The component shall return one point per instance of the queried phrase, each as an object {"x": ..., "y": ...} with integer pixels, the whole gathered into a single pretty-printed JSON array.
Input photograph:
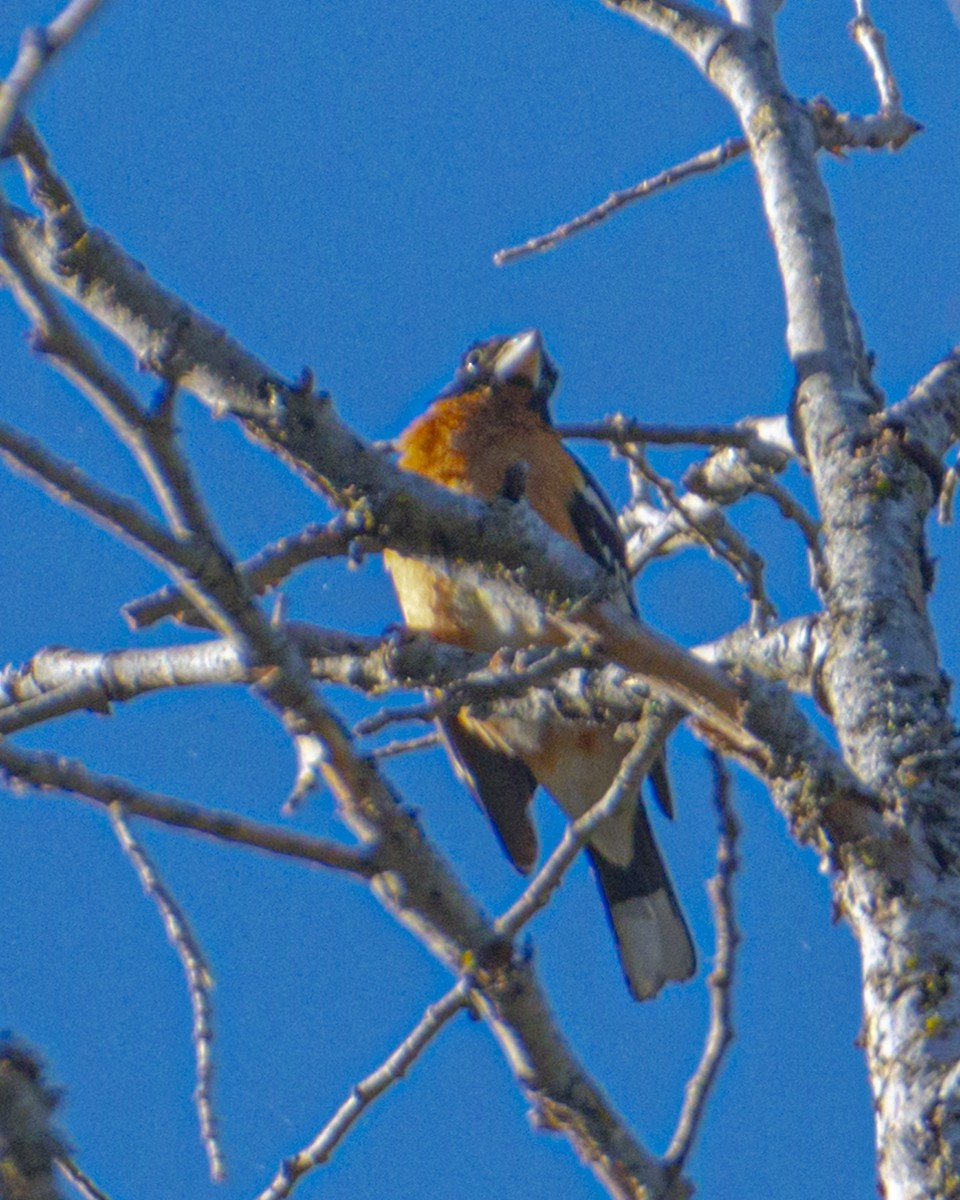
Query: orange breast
[{"x": 468, "y": 443}]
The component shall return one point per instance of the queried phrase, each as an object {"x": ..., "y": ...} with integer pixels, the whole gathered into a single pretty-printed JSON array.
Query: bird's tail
[{"x": 652, "y": 936}]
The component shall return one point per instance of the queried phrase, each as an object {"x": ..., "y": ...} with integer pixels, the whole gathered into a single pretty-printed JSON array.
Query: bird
[{"x": 488, "y": 434}]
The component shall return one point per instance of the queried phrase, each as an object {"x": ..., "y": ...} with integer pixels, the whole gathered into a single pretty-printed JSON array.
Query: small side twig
[
  {"x": 720, "y": 981},
  {"x": 725, "y": 542},
  {"x": 362, "y": 1095},
  {"x": 199, "y": 983},
  {"x": 264, "y": 570},
  {"x": 707, "y": 160},
  {"x": 406, "y": 745},
  {"x": 80, "y": 1180}
]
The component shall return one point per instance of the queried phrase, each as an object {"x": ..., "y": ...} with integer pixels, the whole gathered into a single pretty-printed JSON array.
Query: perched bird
[{"x": 486, "y": 429}]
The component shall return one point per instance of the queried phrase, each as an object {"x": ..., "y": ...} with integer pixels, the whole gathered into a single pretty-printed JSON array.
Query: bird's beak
[{"x": 521, "y": 359}]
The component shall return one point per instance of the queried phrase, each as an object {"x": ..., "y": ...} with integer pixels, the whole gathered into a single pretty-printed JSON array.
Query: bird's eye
[{"x": 471, "y": 362}]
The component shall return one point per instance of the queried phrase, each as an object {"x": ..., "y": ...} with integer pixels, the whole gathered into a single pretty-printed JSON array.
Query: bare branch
[
  {"x": 265, "y": 570},
  {"x": 79, "y": 1180},
  {"x": 707, "y": 160},
  {"x": 37, "y": 46},
  {"x": 59, "y": 680},
  {"x": 636, "y": 764},
  {"x": 763, "y": 437},
  {"x": 872, "y": 42},
  {"x": 426, "y": 741},
  {"x": 721, "y": 978},
  {"x": 718, "y": 535},
  {"x": 199, "y": 983},
  {"x": 48, "y": 772},
  {"x": 363, "y": 1094}
]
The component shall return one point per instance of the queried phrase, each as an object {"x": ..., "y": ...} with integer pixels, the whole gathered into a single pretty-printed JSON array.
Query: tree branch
[
  {"x": 363, "y": 1094},
  {"x": 48, "y": 772},
  {"x": 37, "y": 46},
  {"x": 199, "y": 983},
  {"x": 706, "y": 160},
  {"x": 269, "y": 567},
  {"x": 720, "y": 1034}
]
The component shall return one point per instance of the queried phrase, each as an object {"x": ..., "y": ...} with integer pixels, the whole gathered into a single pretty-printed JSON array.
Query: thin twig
[
  {"x": 626, "y": 782},
  {"x": 406, "y": 745},
  {"x": 620, "y": 429},
  {"x": 199, "y": 983},
  {"x": 362, "y": 1095},
  {"x": 720, "y": 981},
  {"x": 479, "y": 686},
  {"x": 49, "y": 771},
  {"x": 707, "y": 160},
  {"x": 728, "y": 545},
  {"x": 872, "y": 42},
  {"x": 38, "y": 45},
  {"x": 80, "y": 1180},
  {"x": 264, "y": 570}
]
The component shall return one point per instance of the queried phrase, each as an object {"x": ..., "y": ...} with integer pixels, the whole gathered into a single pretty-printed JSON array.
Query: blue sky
[{"x": 329, "y": 182}]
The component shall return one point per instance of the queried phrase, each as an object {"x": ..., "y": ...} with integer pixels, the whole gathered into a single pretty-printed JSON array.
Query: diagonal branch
[
  {"x": 269, "y": 567},
  {"x": 79, "y": 1180},
  {"x": 38, "y": 45},
  {"x": 49, "y": 772},
  {"x": 635, "y": 766},
  {"x": 720, "y": 981},
  {"x": 363, "y": 1094},
  {"x": 706, "y": 160},
  {"x": 199, "y": 982}
]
